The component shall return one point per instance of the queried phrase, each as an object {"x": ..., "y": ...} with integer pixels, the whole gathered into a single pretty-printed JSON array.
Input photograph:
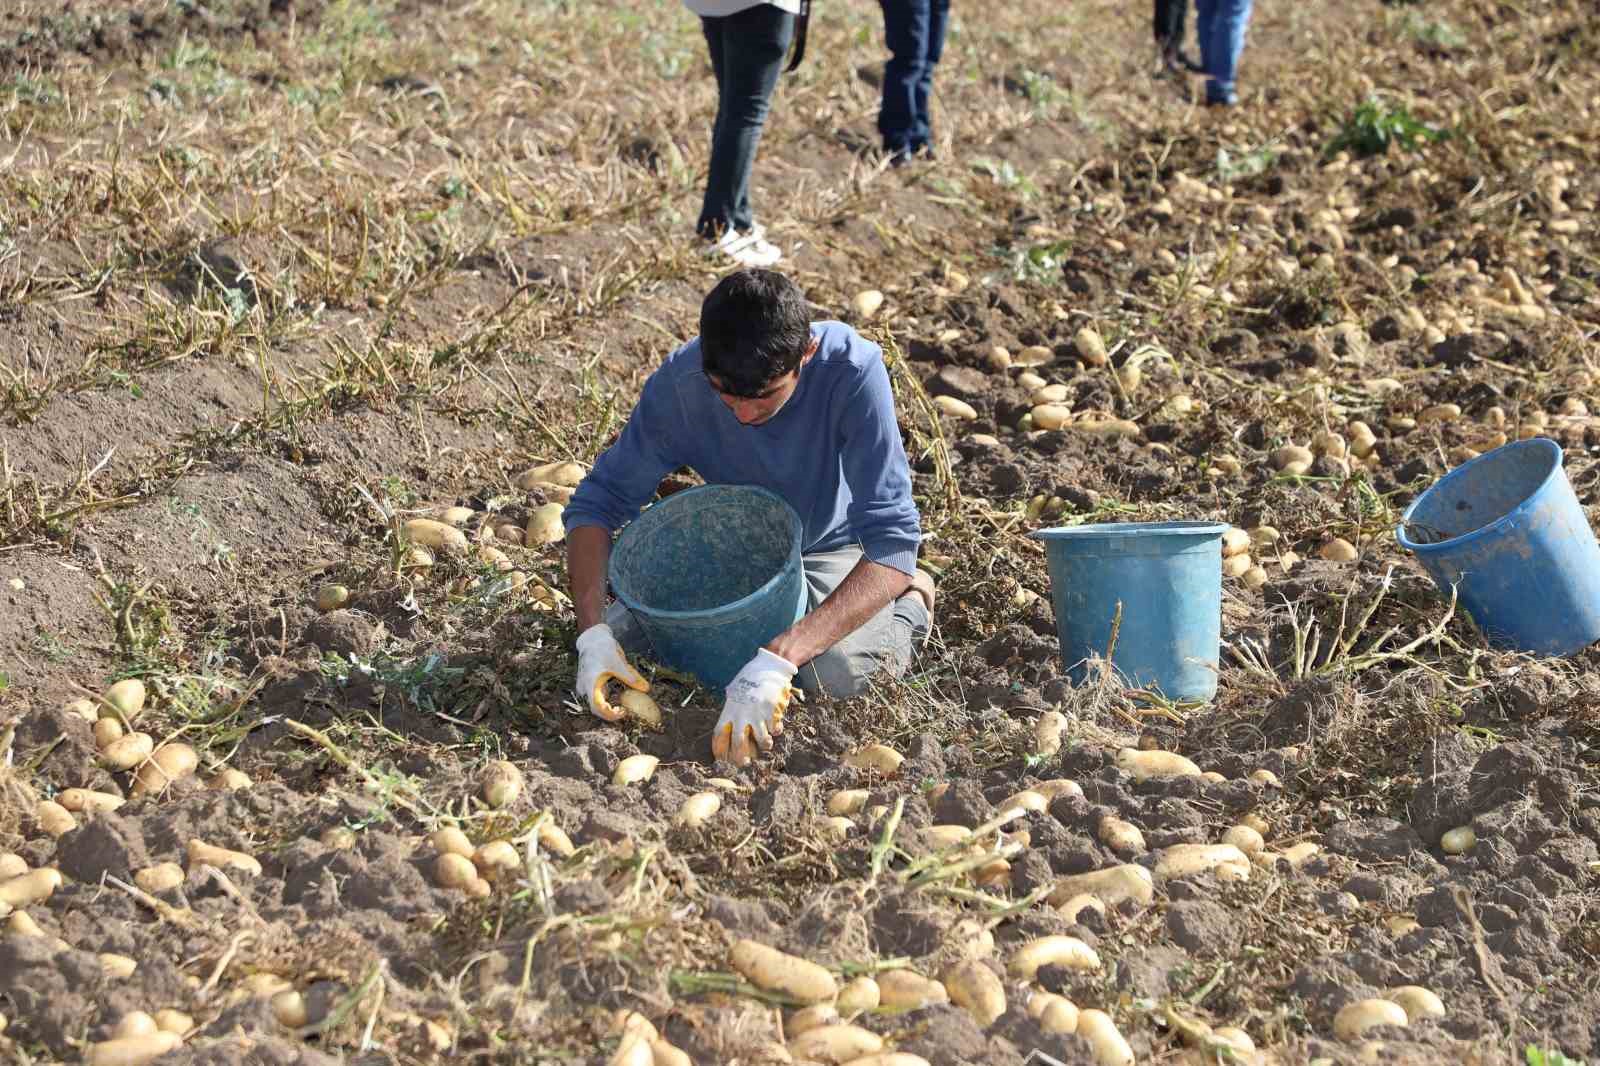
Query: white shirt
[{"x": 722, "y": 8}]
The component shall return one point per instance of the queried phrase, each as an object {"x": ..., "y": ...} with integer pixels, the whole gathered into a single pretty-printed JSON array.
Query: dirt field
[{"x": 277, "y": 275}]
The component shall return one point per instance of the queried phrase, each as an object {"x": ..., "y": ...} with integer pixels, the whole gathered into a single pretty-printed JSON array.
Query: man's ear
[{"x": 811, "y": 349}]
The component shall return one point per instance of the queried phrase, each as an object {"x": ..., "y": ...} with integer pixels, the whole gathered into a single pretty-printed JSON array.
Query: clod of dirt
[
  {"x": 781, "y": 803},
  {"x": 1201, "y": 926},
  {"x": 1503, "y": 775},
  {"x": 963, "y": 803},
  {"x": 961, "y": 382},
  {"x": 53, "y": 989},
  {"x": 1373, "y": 840},
  {"x": 345, "y": 632},
  {"x": 947, "y": 1033},
  {"x": 109, "y": 843}
]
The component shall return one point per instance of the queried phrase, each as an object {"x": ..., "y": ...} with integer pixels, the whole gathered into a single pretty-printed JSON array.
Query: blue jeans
[
  {"x": 914, "y": 32},
  {"x": 1221, "y": 27},
  {"x": 747, "y": 52}
]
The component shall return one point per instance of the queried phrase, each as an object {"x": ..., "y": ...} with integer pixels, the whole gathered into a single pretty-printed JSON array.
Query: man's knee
[{"x": 836, "y": 673}]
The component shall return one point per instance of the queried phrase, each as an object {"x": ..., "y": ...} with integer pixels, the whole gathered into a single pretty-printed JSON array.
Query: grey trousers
[{"x": 885, "y": 642}]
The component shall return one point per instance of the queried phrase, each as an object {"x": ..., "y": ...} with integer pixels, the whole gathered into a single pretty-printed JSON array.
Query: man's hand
[
  {"x": 600, "y": 660},
  {"x": 753, "y": 711}
]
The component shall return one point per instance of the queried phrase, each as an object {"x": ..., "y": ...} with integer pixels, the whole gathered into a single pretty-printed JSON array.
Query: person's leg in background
[
  {"x": 1224, "y": 43},
  {"x": 751, "y": 45},
  {"x": 1170, "y": 23},
  {"x": 883, "y": 646},
  {"x": 1205, "y": 21},
  {"x": 905, "y": 32},
  {"x": 921, "y": 139}
]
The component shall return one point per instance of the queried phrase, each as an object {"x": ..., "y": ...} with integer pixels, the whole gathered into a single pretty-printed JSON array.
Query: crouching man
[{"x": 766, "y": 397}]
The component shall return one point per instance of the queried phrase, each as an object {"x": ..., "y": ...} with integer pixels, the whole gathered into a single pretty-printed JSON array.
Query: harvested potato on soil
[
  {"x": 1356, "y": 1018},
  {"x": 771, "y": 969},
  {"x": 906, "y": 990},
  {"x": 167, "y": 764},
  {"x": 878, "y": 757},
  {"x": 976, "y": 989},
  {"x": 1067, "y": 952},
  {"x": 1144, "y": 765},
  {"x": 838, "y": 1043},
  {"x": 434, "y": 535},
  {"x": 222, "y": 858},
  {"x": 500, "y": 784},
  {"x": 1110, "y": 1047},
  {"x": 635, "y": 770}
]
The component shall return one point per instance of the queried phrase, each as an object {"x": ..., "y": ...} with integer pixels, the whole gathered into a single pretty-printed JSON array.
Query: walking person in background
[
  {"x": 748, "y": 40},
  {"x": 1221, "y": 25},
  {"x": 1169, "y": 26},
  {"x": 914, "y": 32}
]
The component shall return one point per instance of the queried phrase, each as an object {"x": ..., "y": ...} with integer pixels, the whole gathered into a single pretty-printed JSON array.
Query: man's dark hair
[{"x": 753, "y": 330}]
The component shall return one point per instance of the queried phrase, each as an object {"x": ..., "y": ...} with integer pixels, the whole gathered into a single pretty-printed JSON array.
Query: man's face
[{"x": 754, "y": 410}]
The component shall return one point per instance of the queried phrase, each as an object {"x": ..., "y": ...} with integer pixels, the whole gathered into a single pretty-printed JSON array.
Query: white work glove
[
  {"x": 756, "y": 699},
  {"x": 600, "y": 660}
]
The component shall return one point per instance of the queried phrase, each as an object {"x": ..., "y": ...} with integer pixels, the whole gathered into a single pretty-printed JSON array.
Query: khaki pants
[{"x": 885, "y": 642}]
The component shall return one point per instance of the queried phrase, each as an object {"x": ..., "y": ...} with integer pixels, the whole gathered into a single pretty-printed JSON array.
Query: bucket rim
[
  {"x": 1543, "y": 444},
  {"x": 796, "y": 528},
  {"x": 1116, "y": 530}
]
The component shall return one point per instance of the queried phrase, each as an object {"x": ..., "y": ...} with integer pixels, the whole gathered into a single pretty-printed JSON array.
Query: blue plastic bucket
[
  {"x": 1166, "y": 580},
  {"x": 711, "y": 574},
  {"x": 1508, "y": 532}
]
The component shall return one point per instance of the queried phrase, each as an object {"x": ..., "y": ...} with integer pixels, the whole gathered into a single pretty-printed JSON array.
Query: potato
[
  {"x": 86, "y": 709},
  {"x": 773, "y": 970},
  {"x": 1297, "y": 854},
  {"x": 12, "y": 865},
  {"x": 1090, "y": 346},
  {"x": 174, "y": 1021},
  {"x": 1067, "y": 952},
  {"x": 117, "y": 967},
  {"x": 222, "y": 858},
  {"x": 83, "y": 800},
  {"x": 106, "y": 732},
  {"x": 665, "y": 1054},
  {"x": 1122, "y": 837},
  {"x": 1111, "y": 886},
  {"x": 132, "y": 1050},
  {"x": 555, "y": 840},
  {"x": 1057, "y": 787},
  {"x": 332, "y": 597},
  {"x": 1244, "y": 838},
  {"x": 451, "y": 870},
  {"x": 955, "y": 408},
  {"x": 1235, "y": 541},
  {"x": 1265, "y": 778},
  {"x": 496, "y": 859},
  {"x": 35, "y": 886},
  {"x": 998, "y": 358},
  {"x": 1339, "y": 550},
  {"x": 500, "y": 783},
  {"x": 807, "y": 1018},
  {"x": 289, "y": 1008},
  {"x": 994, "y": 874},
  {"x": 449, "y": 840},
  {"x": 1356, "y": 1018},
  {"x": 635, "y": 1050},
  {"x": 1256, "y": 822},
  {"x": 879, "y": 757},
  {"x": 836, "y": 828},
  {"x": 162, "y": 877},
  {"x": 1050, "y": 416},
  {"x": 1105, "y": 428},
  {"x": 1034, "y": 355},
  {"x": 545, "y": 526},
  {"x": 135, "y": 1023},
  {"x": 1237, "y": 565},
  {"x": 975, "y": 988},
  {"x": 972, "y": 939},
  {"x": 1458, "y": 841},
  {"x": 848, "y": 801},
  {"x": 338, "y": 837},
  {"x": 698, "y": 809},
  {"x": 1290, "y": 455},
  {"x": 21, "y": 923},
  {"x": 635, "y": 770},
  {"x": 1439, "y": 413},
  {"x": 640, "y": 707},
  {"x": 1110, "y": 1049},
  {"x": 1329, "y": 443},
  {"x": 1254, "y": 578},
  {"x": 229, "y": 780},
  {"x": 565, "y": 473},
  {"x": 1049, "y": 394},
  {"x": 835, "y": 1043},
  {"x": 1070, "y": 909},
  {"x": 1416, "y": 1001},
  {"x": 1056, "y": 1014},
  {"x": 1186, "y": 860},
  {"x": 889, "y": 1058},
  {"x": 169, "y": 763},
  {"x": 906, "y": 990},
  {"x": 427, "y": 533},
  {"x": 866, "y": 303},
  {"x": 456, "y": 516},
  {"x": 1047, "y": 733},
  {"x": 1144, "y": 765},
  {"x": 859, "y": 995},
  {"x": 54, "y": 820},
  {"x": 125, "y": 699},
  {"x": 1027, "y": 800}
]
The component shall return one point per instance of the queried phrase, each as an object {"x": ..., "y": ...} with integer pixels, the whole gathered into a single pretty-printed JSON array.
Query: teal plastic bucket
[
  {"x": 1164, "y": 579},
  {"x": 1507, "y": 531},
  {"x": 711, "y": 574}
]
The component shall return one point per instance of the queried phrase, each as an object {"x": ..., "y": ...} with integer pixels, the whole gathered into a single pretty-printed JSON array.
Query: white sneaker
[{"x": 748, "y": 248}]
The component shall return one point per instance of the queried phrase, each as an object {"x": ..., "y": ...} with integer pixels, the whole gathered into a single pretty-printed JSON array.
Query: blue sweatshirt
[{"x": 832, "y": 451}]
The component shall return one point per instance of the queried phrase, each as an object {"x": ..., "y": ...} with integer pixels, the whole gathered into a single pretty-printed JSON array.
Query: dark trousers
[
  {"x": 1169, "y": 21},
  {"x": 914, "y": 32},
  {"x": 747, "y": 52}
]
